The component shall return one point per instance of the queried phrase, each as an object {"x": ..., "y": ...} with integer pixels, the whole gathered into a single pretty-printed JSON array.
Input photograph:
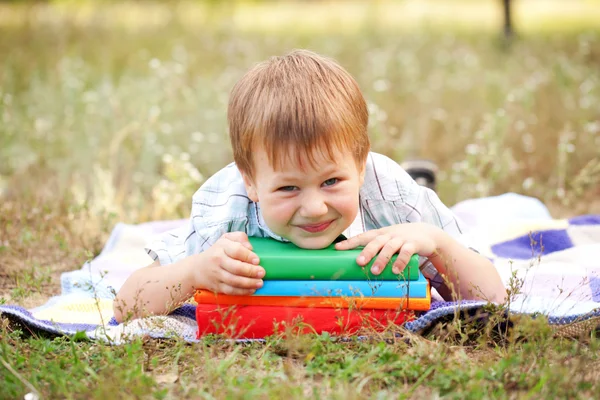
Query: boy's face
[{"x": 309, "y": 206}]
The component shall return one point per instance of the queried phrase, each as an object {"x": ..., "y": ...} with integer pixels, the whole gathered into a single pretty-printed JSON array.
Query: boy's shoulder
[
  {"x": 222, "y": 196},
  {"x": 222, "y": 205},
  {"x": 386, "y": 180},
  {"x": 389, "y": 195},
  {"x": 227, "y": 179}
]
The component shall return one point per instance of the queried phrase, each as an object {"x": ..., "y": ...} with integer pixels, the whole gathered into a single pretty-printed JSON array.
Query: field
[{"x": 116, "y": 112}]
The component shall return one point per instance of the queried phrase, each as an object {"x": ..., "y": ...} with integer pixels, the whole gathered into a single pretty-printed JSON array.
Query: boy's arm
[
  {"x": 229, "y": 266},
  {"x": 468, "y": 275},
  {"x": 155, "y": 289}
]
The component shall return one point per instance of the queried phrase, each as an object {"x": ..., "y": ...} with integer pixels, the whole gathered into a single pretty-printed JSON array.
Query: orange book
[{"x": 376, "y": 303}]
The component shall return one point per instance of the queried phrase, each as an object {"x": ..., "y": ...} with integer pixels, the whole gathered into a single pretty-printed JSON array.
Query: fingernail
[
  {"x": 360, "y": 260},
  {"x": 260, "y": 273},
  {"x": 395, "y": 270},
  {"x": 259, "y": 284},
  {"x": 255, "y": 261},
  {"x": 375, "y": 269}
]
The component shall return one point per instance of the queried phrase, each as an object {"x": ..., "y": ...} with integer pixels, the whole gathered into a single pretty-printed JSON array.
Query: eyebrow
[{"x": 298, "y": 175}]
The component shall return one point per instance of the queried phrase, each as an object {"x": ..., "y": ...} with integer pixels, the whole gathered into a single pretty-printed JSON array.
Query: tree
[{"x": 508, "y": 26}]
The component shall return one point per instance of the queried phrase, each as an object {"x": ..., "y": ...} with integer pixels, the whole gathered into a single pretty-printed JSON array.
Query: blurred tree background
[{"x": 120, "y": 107}]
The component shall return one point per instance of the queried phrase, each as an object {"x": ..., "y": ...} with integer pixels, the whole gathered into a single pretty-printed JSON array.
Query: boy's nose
[{"x": 313, "y": 206}]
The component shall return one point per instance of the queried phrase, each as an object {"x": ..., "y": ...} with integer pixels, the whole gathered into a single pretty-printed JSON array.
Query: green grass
[
  {"x": 529, "y": 362},
  {"x": 116, "y": 112}
]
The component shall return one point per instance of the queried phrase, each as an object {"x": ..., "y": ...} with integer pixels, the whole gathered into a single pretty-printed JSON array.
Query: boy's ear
[
  {"x": 362, "y": 173},
  {"x": 250, "y": 187}
]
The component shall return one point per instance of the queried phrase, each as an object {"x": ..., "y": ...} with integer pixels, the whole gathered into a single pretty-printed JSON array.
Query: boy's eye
[
  {"x": 331, "y": 182},
  {"x": 287, "y": 188}
]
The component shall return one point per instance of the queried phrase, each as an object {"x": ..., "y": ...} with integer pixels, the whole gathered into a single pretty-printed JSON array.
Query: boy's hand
[
  {"x": 229, "y": 266},
  {"x": 402, "y": 239}
]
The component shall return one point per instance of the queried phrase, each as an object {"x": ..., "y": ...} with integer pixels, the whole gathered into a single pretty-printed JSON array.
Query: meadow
[{"x": 117, "y": 112}]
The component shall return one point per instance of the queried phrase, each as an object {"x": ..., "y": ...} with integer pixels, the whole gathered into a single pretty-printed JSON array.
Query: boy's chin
[{"x": 313, "y": 243}]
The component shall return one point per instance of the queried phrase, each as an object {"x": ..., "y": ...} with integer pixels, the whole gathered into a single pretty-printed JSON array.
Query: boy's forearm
[
  {"x": 156, "y": 290},
  {"x": 468, "y": 274}
]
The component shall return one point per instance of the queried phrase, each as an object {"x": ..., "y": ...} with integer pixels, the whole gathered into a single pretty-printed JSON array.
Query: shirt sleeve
[
  {"x": 220, "y": 205},
  {"x": 168, "y": 246},
  {"x": 393, "y": 197},
  {"x": 179, "y": 243}
]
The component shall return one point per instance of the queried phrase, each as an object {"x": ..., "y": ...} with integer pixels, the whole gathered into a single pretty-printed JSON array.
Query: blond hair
[{"x": 294, "y": 104}]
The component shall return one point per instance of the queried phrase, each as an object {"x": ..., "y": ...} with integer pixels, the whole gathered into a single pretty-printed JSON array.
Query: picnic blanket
[{"x": 554, "y": 262}]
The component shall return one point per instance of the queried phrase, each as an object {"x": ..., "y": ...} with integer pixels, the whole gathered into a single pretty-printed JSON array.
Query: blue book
[{"x": 310, "y": 288}]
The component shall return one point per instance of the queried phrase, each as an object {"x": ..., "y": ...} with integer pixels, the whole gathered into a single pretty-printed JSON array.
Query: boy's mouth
[{"x": 314, "y": 228}]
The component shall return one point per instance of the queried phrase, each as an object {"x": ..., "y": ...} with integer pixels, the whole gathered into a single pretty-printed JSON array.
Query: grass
[
  {"x": 116, "y": 112},
  {"x": 530, "y": 362}
]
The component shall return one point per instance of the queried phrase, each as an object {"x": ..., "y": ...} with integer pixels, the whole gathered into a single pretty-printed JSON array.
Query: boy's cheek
[{"x": 277, "y": 210}]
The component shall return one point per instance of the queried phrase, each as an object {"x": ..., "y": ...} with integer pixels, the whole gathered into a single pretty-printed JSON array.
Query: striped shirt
[{"x": 387, "y": 197}]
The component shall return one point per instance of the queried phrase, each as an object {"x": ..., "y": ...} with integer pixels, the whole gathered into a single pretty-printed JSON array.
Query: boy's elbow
[
  {"x": 499, "y": 296},
  {"x": 118, "y": 308},
  {"x": 124, "y": 304},
  {"x": 117, "y": 315}
]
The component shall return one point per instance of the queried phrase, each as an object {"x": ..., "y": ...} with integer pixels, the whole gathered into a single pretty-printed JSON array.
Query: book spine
[
  {"x": 385, "y": 303},
  {"x": 415, "y": 289},
  {"x": 290, "y": 268}
]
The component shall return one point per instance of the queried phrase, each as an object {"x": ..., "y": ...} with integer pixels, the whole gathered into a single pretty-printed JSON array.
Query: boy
[{"x": 303, "y": 173}]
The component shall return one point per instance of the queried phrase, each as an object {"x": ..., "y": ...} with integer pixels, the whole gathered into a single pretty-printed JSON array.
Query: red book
[{"x": 255, "y": 322}]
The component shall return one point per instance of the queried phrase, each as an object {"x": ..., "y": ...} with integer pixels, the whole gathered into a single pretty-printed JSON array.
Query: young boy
[{"x": 303, "y": 173}]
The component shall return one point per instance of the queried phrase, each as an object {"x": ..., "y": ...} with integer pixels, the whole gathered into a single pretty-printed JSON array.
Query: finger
[
  {"x": 239, "y": 282},
  {"x": 234, "y": 291},
  {"x": 240, "y": 237},
  {"x": 237, "y": 251},
  {"x": 240, "y": 268},
  {"x": 355, "y": 241},
  {"x": 371, "y": 250},
  {"x": 390, "y": 248},
  {"x": 406, "y": 252}
]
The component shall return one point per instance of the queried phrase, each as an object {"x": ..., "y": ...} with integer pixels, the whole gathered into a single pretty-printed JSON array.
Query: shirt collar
[{"x": 357, "y": 226}]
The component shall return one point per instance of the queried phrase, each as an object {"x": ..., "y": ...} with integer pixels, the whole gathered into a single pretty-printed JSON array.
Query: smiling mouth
[{"x": 315, "y": 228}]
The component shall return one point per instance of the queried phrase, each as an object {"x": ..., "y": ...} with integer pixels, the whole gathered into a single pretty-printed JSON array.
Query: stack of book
[{"x": 306, "y": 282}]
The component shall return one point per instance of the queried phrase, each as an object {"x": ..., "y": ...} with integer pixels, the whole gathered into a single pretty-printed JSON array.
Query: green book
[{"x": 286, "y": 261}]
